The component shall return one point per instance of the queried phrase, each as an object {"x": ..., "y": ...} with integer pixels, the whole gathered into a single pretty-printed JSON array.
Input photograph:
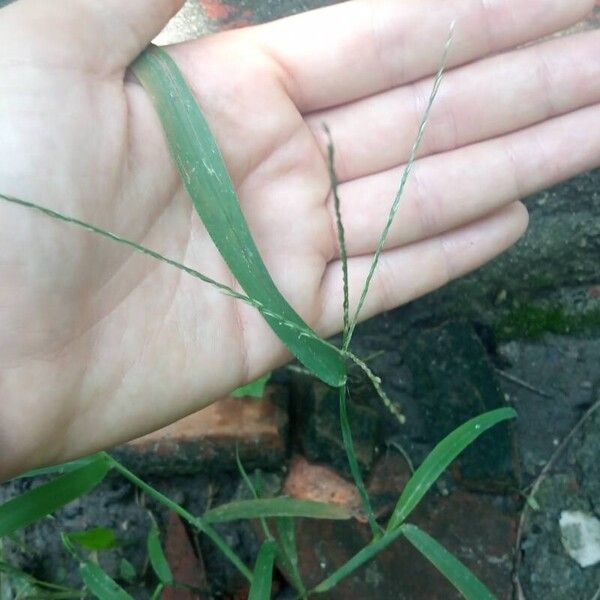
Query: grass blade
[
  {"x": 252, "y": 489},
  {"x": 100, "y": 584},
  {"x": 450, "y": 567},
  {"x": 97, "y": 538},
  {"x": 196, "y": 522},
  {"x": 157, "y": 557},
  {"x": 207, "y": 181},
  {"x": 275, "y": 507},
  {"x": 60, "y": 469},
  {"x": 289, "y": 553},
  {"x": 45, "y": 499},
  {"x": 439, "y": 459},
  {"x": 263, "y": 572},
  {"x": 359, "y": 559}
]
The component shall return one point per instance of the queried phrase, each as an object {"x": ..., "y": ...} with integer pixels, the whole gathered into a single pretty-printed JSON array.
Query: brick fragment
[
  {"x": 186, "y": 567},
  {"x": 206, "y": 441}
]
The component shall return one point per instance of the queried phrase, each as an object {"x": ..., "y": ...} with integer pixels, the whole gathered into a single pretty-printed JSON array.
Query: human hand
[{"x": 99, "y": 344}]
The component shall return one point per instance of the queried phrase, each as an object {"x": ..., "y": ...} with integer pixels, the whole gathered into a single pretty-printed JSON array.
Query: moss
[{"x": 531, "y": 321}]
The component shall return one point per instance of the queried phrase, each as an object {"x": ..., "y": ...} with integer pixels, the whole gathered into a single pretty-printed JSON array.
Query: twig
[{"x": 523, "y": 384}]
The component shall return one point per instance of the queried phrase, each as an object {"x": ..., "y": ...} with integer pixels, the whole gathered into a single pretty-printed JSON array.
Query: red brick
[
  {"x": 186, "y": 567},
  {"x": 206, "y": 440}
]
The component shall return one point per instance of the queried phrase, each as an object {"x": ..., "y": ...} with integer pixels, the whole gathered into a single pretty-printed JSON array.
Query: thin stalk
[
  {"x": 223, "y": 288},
  {"x": 354, "y": 468},
  {"x": 340, "y": 227},
  {"x": 124, "y": 241},
  {"x": 196, "y": 522},
  {"x": 404, "y": 179},
  {"x": 252, "y": 489},
  {"x": 344, "y": 421}
]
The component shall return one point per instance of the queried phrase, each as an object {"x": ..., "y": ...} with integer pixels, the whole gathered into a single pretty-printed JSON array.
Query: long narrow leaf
[
  {"x": 158, "y": 560},
  {"x": 449, "y": 566},
  {"x": 45, "y": 499},
  {"x": 263, "y": 572},
  {"x": 275, "y": 507},
  {"x": 353, "y": 463},
  {"x": 197, "y": 522},
  {"x": 207, "y": 181},
  {"x": 100, "y": 584},
  {"x": 439, "y": 459},
  {"x": 60, "y": 469},
  {"x": 289, "y": 552},
  {"x": 359, "y": 559}
]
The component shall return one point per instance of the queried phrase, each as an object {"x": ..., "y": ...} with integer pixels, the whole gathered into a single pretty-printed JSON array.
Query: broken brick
[
  {"x": 186, "y": 567},
  {"x": 207, "y": 440}
]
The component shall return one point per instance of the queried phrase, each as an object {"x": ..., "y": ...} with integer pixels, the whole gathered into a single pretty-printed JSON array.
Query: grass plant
[{"x": 204, "y": 174}]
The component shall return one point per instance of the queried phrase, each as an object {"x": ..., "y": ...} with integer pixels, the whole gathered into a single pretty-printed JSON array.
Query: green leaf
[
  {"x": 448, "y": 565},
  {"x": 127, "y": 571},
  {"x": 289, "y": 553},
  {"x": 62, "y": 468},
  {"x": 275, "y": 507},
  {"x": 98, "y": 538},
  {"x": 158, "y": 559},
  {"x": 254, "y": 389},
  {"x": 263, "y": 572},
  {"x": 100, "y": 584},
  {"x": 359, "y": 559},
  {"x": 439, "y": 459},
  {"x": 45, "y": 499},
  {"x": 207, "y": 181}
]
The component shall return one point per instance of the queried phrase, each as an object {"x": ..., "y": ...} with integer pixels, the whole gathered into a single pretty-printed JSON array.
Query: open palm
[{"x": 100, "y": 344}]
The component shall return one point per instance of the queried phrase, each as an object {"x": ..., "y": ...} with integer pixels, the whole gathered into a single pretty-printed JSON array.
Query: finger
[
  {"x": 409, "y": 272},
  {"x": 450, "y": 189},
  {"x": 103, "y": 36},
  {"x": 356, "y": 49},
  {"x": 476, "y": 102}
]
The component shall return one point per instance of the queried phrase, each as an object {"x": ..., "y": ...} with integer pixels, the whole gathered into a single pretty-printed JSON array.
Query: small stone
[{"x": 580, "y": 536}]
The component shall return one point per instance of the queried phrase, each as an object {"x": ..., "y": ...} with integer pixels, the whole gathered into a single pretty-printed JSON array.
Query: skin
[{"x": 98, "y": 344}]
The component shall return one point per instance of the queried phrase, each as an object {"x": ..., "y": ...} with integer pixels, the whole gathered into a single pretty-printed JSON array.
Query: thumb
[{"x": 103, "y": 35}]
